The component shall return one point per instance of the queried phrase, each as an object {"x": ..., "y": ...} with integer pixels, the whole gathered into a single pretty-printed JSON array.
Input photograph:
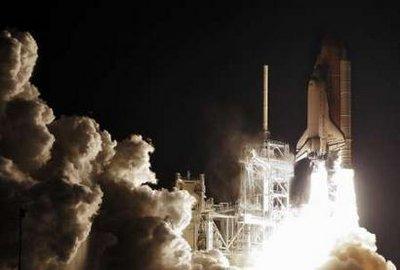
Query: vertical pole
[
  {"x": 21, "y": 215},
  {"x": 227, "y": 234},
  {"x": 209, "y": 233},
  {"x": 265, "y": 103}
]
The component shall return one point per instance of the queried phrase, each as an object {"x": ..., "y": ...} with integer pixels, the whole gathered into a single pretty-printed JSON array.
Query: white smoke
[
  {"x": 356, "y": 251},
  {"x": 213, "y": 260},
  {"x": 59, "y": 205},
  {"x": 80, "y": 187},
  {"x": 74, "y": 181}
]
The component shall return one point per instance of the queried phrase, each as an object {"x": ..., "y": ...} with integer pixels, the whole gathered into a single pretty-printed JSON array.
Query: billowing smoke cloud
[
  {"x": 213, "y": 260},
  {"x": 78, "y": 192},
  {"x": 145, "y": 227},
  {"x": 357, "y": 251},
  {"x": 25, "y": 137},
  {"x": 75, "y": 188},
  {"x": 43, "y": 173}
]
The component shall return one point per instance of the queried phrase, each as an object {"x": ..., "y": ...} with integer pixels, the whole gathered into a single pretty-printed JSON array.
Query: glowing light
[
  {"x": 345, "y": 214},
  {"x": 306, "y": 238}
]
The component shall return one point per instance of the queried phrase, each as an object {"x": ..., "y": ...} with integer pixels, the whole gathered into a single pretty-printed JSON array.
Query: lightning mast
[
  {"x": 265, "y": 185},
  {"x": 265, "y": 103},
  {"x": 241, "y": 229}
]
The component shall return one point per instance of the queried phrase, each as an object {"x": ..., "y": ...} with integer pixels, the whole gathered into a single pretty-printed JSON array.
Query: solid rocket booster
[
  {"x": 345, "y": 112},
  {"x": 328, "y": 107}
]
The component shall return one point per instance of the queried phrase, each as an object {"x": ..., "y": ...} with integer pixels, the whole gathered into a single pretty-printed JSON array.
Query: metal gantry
[
  {"x": 265, "y": 192},
  {"x": 243, "y": 227}
]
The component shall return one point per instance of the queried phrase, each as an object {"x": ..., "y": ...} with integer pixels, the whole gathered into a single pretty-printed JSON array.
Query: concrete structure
[{"x": 197, "y": 189}]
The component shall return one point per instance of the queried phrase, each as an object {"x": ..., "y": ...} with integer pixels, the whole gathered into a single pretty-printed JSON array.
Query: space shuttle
[{"x": 328, "y": 130}]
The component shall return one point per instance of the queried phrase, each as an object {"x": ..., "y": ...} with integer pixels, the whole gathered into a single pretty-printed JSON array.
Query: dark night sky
[{"x": 188, "y": 75}]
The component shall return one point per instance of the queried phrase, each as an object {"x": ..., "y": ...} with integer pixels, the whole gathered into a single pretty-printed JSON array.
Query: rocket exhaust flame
[
  {"x": 78, "y": 182},
  {"x": 323, "y": 234},
  {"x": 319, "y": 201}
]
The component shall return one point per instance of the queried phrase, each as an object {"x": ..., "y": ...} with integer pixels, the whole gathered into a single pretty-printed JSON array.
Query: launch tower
[
  {"x": 240, "y": 229},
  {"x": 265, "y": 185}
]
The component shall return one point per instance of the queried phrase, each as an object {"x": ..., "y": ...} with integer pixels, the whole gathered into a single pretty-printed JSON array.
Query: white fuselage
[{"x": 321, "y": 135}]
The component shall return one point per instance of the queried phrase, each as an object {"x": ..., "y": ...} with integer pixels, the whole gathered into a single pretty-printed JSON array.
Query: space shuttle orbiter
[{"x": 328, "y": 107}]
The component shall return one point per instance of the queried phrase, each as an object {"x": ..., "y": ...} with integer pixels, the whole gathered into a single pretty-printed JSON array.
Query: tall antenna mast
[{"x": 265, "y": 104}]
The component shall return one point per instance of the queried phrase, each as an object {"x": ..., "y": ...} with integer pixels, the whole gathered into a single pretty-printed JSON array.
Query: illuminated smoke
[
  {"x": 74, "y": 181},
  {"x": 324, "y": 235},
  {"x": 83, "y": 191},
  {"x": 36, "y": 173},
  {"x": 213, "y": 259}
]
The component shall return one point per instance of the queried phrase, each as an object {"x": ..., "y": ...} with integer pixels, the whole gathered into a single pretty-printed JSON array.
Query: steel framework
[{"x": 242, "y": 228}]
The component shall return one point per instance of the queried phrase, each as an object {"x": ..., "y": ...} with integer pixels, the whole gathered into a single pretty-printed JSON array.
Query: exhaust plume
[
  {"x": 73, "y": 185},
  {"x": 76, "y": 190},
  {"x": 324, "y": 235}
]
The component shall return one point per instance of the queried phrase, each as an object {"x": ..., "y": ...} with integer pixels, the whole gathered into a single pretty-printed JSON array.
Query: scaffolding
[
  {"x": 265, "y": 191},
  {"x": 241, "y": 228}
]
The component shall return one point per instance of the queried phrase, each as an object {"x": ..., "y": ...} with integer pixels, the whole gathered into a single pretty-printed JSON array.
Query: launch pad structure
[{"x": 241, "y": 228}]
